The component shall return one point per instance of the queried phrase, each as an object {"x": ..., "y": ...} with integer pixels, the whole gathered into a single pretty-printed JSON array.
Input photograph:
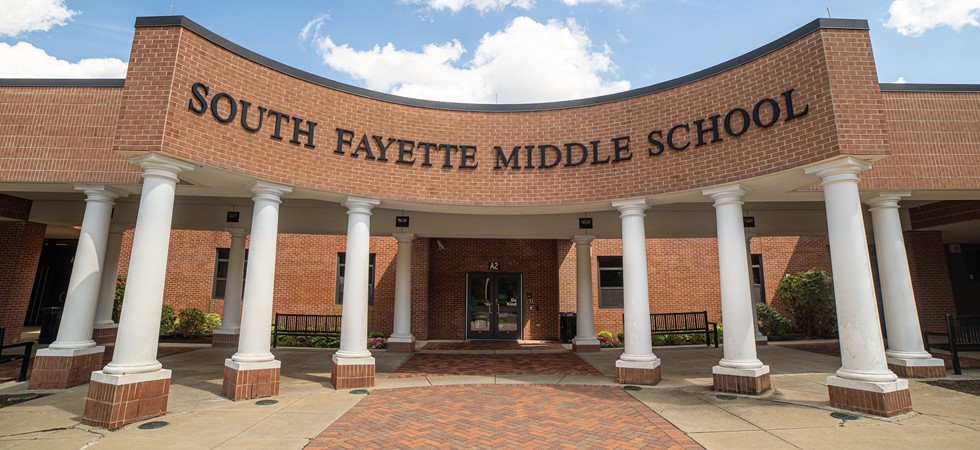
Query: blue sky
[{"x": 502, "y": 51}]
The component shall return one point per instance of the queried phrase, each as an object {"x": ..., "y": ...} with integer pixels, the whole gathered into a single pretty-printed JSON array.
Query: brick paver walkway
[
  {"x": 491, "y": 346},
  {"x": 502, "y": 416},
  {"x": 428, "y": 364}
]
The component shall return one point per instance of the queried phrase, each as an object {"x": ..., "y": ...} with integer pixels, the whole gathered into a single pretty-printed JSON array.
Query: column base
[
  {"x": 352, "y": 373},
  {"x": 644, "y": 373},
  {"x": 224, "y": 340},
  {"x": 585, "y": 345},
  {"x": 741, "y": 381},
  {"x": 885, "y": 399},
  {"x": 64, "y": 368},
  {"x": 761, "y": 341},
  {"x": 244, "y": 381},
  {"x": 117, "y": 400},
  {"x": 105, "y": 334},
  {"x": 917, "y": 367},
  {"x": 401, "y": 344}
]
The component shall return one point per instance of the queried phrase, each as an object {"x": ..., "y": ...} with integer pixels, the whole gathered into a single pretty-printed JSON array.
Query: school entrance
[{"x": 493, "y": 306}]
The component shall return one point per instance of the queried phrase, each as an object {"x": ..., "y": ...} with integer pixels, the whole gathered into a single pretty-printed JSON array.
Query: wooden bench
[
  {"x": 684, "y": 323},
  {"x": 305, "y": 325},
  {"x": 25, "y": 357},
  {"x": 962, "y": 333}
]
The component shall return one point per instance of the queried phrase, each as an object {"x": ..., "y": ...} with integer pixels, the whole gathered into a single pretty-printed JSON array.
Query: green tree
[{"x": 809, "y": 298}]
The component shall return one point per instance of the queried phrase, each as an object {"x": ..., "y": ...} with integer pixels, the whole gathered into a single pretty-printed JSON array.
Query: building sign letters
[{"x": 678, "y": 137}]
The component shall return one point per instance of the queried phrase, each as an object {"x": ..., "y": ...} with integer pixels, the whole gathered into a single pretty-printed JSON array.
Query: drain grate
[
  {"x": 844, "y": 416},
  {"x": 266, "y": 402},
  {"x": 360, "y": 391},
  {"x": 631, "y": 388},
  {"x": 726, "y": 397},
  {"x": 153, "y": 425}
]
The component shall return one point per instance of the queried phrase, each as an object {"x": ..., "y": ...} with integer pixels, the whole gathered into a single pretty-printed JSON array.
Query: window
[
  {"x": 610, "y": 282},
  {"x": 341, "y": 257},
  {"x": 221, "y": 272}
]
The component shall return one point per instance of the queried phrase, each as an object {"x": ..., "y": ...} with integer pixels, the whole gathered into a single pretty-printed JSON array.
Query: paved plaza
[{"x": 530, "y": 397}]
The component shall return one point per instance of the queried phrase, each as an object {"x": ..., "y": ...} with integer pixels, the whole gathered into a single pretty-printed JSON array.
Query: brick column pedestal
[
  {"x": 62, "y": 369},
  {"x": 224, "y": 340},
  {"x": 637, "y": 375},
  {"x": 105, "y": 335},
  {"x": 583, "y": 348},
  {"x": 394, "y": 346},
  {"x": 244, "y": 381},
  {"x": 742, "y": 381},
  {"x": 928, "y": 370},
  {"x": 352, "y": 376},
  {"x": 886, "y": 399},
  {"x": 117, "y": 400}
]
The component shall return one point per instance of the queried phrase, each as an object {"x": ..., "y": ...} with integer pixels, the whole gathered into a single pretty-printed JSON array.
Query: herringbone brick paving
[
  {"x": 502, "y": 416},
  {"x": 429, "y": 364}
]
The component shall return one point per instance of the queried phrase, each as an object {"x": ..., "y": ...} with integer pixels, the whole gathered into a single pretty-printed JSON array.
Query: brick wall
[
  {"x": 447, "y": 282},
  {"x": 14, "y": 207},
  {"x": 944, "y": 213},
  {"x": 20, "y": 248},
  {"x": 930, "y": 278}
]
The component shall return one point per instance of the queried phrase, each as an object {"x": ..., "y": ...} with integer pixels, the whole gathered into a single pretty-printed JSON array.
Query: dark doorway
[
  {"x": 493, "y": 307},
  {"x": 51, "y": 279}
]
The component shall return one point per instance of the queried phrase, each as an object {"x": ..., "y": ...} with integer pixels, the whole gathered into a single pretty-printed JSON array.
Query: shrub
[
  {"x": 194, "y": 322},
  {"x": 376, "y": 334},
  {"x": 168, "y": 321},
  {"x": 213, "y": 321},
  {"x": 621, "y": 337},
  {"x": 118, "y": 298},
  {"x": 604, "y": 334},
  {"x": 809, "y": 298},
  {"x": 771, "y": 322},
  {"x": 375, "y": 343}
]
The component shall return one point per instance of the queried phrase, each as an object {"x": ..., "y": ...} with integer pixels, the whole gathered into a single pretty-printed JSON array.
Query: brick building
[{"x": 431, "y": 220}]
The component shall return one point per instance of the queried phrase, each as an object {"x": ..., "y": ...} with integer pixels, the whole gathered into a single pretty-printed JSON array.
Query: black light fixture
[
  {"x": 748, "y": 222},
  {"x": 232, "y": 216},
  {"x": 401, "y": 221},
  {"x": 585, "y": 223}
]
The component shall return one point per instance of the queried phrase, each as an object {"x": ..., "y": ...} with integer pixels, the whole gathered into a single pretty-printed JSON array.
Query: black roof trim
[
  {"x": 922, "y": 87},
  {"x": 63, "y": 82},
  {"x": 162, "y": 21}
]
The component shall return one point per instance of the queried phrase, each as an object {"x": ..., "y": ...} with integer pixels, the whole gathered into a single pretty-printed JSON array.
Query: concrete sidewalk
[{"x": 795, "y": 415}]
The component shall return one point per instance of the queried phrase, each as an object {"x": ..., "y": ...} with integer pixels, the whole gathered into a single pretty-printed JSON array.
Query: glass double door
[{"x": 493, "y": 307}]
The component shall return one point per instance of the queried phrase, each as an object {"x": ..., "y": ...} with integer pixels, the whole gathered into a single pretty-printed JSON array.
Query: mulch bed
[
  {"x": 833, "y": 349},
  {"x": 965, "y": 386}
]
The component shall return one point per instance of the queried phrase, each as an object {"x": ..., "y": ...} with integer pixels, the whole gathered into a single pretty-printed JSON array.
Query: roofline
[
  {"x": 182, "y": 21},
  {"x": 62, "y": 82},
  {"x": 924, "y": 87}
]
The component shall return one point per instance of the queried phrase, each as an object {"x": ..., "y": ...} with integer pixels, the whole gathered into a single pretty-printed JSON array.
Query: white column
[
  {"x": 353, "y": 329},
  {"x": 862, "y": 348},
  {"x": 254, "y": 341},
  {"x": 110, "y": 272},
  {"x": 139, "y": 321},
  {"x": 760, "y": 339},
  {"x": 78, "y": 317},
  {"x": 402, "y": 330},
  {"x": 231, "y": 312},
  {"x": 905, "y": 347},
  {"x": 584, "y": 319},
  {"x": 736, "y": 287},
  {"x": 638, "y": 352}
]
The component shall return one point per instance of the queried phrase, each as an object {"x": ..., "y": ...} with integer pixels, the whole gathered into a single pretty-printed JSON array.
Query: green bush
[
  {"x": 168, "y": 321},
  {"x": 118, "y": 298},
  {"x": 604, "y": 334},
  {"x": 621, "y": 337},
  {"x": 771, "y": 322},
  {"x": 376, "y": 334},
  {"x": 194, "y": 322},
  {"x": 809, "y": 298}
]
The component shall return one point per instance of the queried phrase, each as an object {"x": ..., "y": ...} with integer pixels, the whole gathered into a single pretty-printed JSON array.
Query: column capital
[
  {"x": 845, "y": 169},
  {"x": 886, "y": 199},
  {"x": 237, "y": 232},
  {"x": 583, "y": 239},
  {"x": 404, "y": 238},
  {"x": 729, "y": 193},
  {"x": 631, "y": 207},
  {"x": 360, "y": 204},
  {"x": 100, "y": 192},
  {"x": 268, "y": 191},
  {"x": 154, "y": 164}
]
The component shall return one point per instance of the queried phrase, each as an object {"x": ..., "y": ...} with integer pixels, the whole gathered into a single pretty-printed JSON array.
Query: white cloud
[
  {"x": 312, "y": 28},
  {"x": 24, "y": 60},
  {"x": 22, "y": 16},
  {"x": 527, "y": 62},
  {"x": 900, "y": 80},
  {"x": 479, "y": 5},
  {"x": 583, "y": 2},
  {"x": 914, "y": 17}
]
